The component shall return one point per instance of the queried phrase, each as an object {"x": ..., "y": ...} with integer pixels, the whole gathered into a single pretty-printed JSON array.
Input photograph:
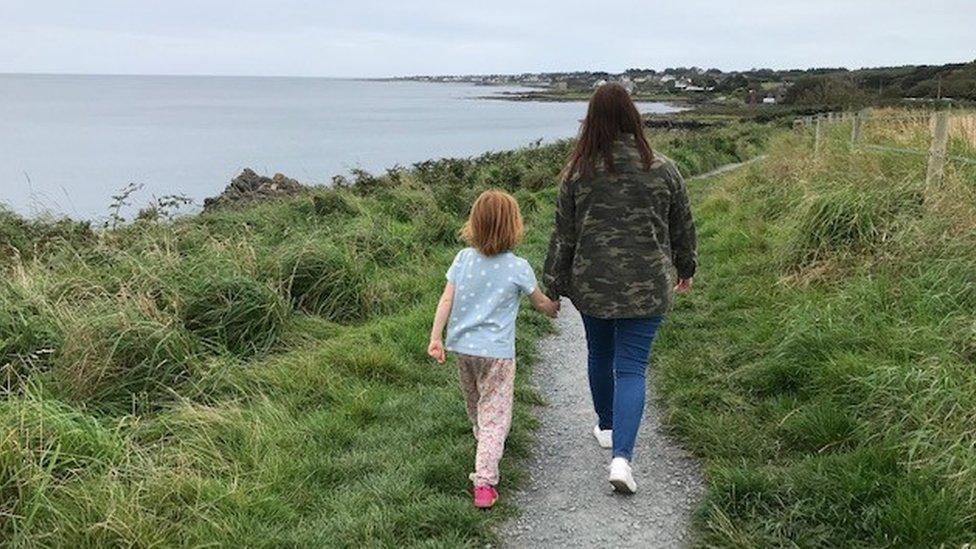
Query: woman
[{"x": 623, "y": 224}]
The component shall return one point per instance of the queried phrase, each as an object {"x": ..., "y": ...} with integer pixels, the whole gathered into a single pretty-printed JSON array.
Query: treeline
[
  {"x": 836, "y": 85},
  {"x": 841, "y": 86}
]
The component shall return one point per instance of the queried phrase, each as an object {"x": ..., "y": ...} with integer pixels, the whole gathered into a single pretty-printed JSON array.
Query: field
[
  {"x": 824, "y": 366},
  {"x": 258, "y": 377}
]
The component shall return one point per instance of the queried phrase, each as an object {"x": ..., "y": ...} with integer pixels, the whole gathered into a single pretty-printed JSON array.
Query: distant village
[{"x": 758, "y": 86}]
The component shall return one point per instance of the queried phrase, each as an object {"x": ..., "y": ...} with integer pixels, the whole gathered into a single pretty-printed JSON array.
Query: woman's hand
[
  {"x": 436, "y": 350},
  {"x": 683, "y": 286}
]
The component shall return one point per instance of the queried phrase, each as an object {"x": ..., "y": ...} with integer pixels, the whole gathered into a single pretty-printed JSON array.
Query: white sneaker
[
  {"x": 621, "y": 477},
  {"x": 603, "y": 436}
]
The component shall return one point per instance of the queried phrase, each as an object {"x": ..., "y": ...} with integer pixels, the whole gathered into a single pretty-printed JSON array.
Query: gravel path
[{"x": 567, "y": 501}]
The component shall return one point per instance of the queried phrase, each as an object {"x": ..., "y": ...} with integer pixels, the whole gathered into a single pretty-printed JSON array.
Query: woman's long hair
[{"x": 610, "y": 114}]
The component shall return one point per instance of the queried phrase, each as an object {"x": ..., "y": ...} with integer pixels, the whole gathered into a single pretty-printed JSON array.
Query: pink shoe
[{"x": 485, "y": 496}]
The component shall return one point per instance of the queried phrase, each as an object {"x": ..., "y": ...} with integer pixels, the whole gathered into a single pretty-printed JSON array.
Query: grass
[
  {"x": 258, "y": 377},
  {"x": 822, "y": 367}
]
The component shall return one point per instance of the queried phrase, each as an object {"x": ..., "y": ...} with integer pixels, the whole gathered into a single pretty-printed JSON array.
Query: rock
[{"x": 249, "y": 187}]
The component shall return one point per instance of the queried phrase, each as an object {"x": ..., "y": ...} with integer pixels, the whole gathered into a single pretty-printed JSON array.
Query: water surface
[{"x": 68, "y": 143}]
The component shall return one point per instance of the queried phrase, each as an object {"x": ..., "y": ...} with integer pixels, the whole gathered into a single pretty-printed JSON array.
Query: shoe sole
[{"x": 620, "y": 485}]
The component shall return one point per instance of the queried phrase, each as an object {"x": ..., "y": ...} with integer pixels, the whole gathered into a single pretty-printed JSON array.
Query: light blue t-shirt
[{"x": 486, "y": 300}]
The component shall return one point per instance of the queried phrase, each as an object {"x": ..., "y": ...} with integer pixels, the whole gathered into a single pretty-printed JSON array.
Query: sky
[{"x": 373, "y": 38}]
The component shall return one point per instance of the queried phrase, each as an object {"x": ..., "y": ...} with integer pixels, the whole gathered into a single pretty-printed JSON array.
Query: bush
[
  {"x": 325, "y": 280},
  {"x": 333, "y": 202},
  {"x": 405, "y": 204},
  {"x": 119, "y": 356},
  {"x": 528, "y": 201},
  {"x": 26, "y": 239},
  {"x": 538, "y": 179},
  {"x": 236, "y": 312}
]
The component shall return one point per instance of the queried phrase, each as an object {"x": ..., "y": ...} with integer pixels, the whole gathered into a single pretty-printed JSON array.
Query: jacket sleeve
[
  {"x": 681, "y": 226},
  {"x": 559, "y": 260}
]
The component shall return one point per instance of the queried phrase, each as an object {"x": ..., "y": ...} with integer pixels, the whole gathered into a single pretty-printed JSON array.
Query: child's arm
[
  {"x": 543, "y": 304},
  {"x": 436, "y": 346}
]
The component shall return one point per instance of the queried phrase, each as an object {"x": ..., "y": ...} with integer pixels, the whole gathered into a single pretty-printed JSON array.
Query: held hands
[
  {"x": 550, "y": 309},
  {"x": 436, "y": 350},
  {"x": 683, "y": 286}
]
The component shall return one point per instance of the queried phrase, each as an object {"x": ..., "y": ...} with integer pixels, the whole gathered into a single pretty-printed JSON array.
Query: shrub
[
  {"x": 237, "y": 312},
  {"x": 325, "y": 280},
  {"x": 24, "y": 238},
  {"x": 405, "y": 204},
  {"x": 333, "y": 202},
  {"x": 454, "y": 199},
  {"x": 528, "y": 201},
  {"x": 539, "y": 178}
]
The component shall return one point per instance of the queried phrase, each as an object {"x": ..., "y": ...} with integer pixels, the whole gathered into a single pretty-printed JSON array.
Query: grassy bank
[
  {"x": 823, "y": 367},
  {"x": 258, "y": 377}
]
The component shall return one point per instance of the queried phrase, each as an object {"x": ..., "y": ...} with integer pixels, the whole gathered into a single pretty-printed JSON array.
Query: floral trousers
[{"x": 488, "y": 385}]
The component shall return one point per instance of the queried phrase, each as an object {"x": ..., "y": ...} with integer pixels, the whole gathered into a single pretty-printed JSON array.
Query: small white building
[
  {"x": 628, "y": 84},
  {"x": 599, "y": 83},
  {"x": 769, "y": 100}
]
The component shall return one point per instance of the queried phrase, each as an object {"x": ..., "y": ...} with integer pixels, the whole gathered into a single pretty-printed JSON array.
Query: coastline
[{"x": 551, "y": 96}]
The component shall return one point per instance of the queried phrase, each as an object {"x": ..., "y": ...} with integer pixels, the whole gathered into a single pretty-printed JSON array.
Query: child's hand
[
  {"x": 436, "y": 350},
  {"x": 551, "y": 309}
]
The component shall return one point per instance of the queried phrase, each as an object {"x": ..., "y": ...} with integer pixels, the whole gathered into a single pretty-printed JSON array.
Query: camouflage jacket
[{"x": 619, "y": 236}]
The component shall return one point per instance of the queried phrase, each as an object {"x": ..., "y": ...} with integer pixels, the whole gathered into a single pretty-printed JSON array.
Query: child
[{"x": 481, "y": 298}]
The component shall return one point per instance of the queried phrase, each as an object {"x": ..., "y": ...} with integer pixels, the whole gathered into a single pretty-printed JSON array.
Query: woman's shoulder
[{"x": 662, "y": 162}]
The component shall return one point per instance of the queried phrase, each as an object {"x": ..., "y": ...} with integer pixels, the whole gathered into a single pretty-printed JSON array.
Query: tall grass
[
  {"x": 823, "y": 365},
  {"x": 256, "y": 376}
]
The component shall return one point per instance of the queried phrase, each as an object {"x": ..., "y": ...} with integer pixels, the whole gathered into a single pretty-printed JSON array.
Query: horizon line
[{"x": 469, "y": 74}]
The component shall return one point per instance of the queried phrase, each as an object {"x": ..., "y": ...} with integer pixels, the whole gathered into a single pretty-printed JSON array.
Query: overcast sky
[{"x": 400, "y": 37}]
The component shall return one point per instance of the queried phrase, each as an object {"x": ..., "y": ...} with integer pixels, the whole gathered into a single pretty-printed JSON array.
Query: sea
[{"x": 68, "y": 143}]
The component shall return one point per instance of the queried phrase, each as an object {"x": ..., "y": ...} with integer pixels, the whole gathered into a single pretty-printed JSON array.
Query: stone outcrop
[{"x": 249, "y": 187}]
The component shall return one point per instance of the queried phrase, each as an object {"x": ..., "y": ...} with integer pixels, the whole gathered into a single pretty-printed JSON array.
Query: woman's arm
[
  {"x": 436, "y": 346},
  {"x": 562, "y": 244},
  {"x": 681, "y": 225}
]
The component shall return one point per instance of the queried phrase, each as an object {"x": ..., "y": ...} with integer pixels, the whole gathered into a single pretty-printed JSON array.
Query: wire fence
[{"x": 940, "y": 136}]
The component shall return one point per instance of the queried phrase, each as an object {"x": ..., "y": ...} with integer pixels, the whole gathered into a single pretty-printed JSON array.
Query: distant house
[
  {"x": 599, "y": 83},
  {"x": 682, "y": 83},
  {"x": 666, "y": 78},
  {"x": 769, "y": 100},
  {"x": 627, "y": 83}
]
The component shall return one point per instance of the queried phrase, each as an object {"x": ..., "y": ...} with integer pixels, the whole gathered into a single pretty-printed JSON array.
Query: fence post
[
  {"x": 856, "y": 126},
  {"x": 937, "y": 152},
  {"x": 818, "y": 135}
]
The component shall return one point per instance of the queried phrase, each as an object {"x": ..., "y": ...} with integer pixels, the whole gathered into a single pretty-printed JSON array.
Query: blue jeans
[{"x": 619, "y": 350}]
